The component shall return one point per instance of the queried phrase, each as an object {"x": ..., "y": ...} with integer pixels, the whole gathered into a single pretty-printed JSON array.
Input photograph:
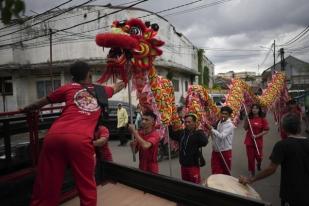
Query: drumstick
[
  {"x": 250, "y": 126},
  {"x": 228, "y": 169}
]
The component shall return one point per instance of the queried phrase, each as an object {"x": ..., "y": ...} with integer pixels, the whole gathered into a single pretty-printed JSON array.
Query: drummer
[{"x": 292, "y": 154}]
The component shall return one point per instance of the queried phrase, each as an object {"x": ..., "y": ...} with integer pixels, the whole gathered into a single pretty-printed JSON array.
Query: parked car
[{"x": 217, "y": 98}]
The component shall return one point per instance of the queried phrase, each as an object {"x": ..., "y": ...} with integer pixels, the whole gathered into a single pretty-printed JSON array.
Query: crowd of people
[{"x": 75, "y": 136}]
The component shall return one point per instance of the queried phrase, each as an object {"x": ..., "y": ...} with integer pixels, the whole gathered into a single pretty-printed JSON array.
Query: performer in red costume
[
  {"x": 291, "y": 107},
  {"x": 146, "y": 142},
  {"x": 69, "y": 140},
  {"x": 259, "y": 127},
  {"x": 101, "y": 137}
]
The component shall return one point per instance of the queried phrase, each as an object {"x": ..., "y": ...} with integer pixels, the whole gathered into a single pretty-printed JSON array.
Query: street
[{"x": 267, "y": 188}]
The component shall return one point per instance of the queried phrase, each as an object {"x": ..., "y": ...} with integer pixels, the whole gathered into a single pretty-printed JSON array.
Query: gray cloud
[{"x": 240, "y": 24}]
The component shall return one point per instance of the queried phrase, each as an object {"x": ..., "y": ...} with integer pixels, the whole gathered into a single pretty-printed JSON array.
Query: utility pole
[
  {"x": 273, "y": 70},
  {"x": 51, "y": 58},
  {"x": 282, "y": 60}
]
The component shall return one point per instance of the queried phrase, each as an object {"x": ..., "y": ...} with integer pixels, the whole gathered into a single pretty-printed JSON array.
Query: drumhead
[{"x": 230, "y": 184}]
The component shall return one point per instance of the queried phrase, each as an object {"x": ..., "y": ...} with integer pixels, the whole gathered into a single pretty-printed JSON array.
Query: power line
[
  {"x": 216, "y": 49},
  {"x": 172, "y": 8},
  {"x": 300, "y": 43},
  {"x": 106, "y": 26},
  {"x": 77, "y": 24},
  {"x": 33, "y": 17},
  {"x": 299, "y": 48},
  {"x": 267, "y": 55},
  {"x": 198, "y": 8},
  {"x": 72, "y": 17},
  {"x": 98, "y": 10},
  {"x": 298, "y": 36},
  {"x": 27, "y": 27},
  {"x": 212, "y": 4}
]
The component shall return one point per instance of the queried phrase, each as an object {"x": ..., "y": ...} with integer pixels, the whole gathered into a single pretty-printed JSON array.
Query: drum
[{"x": 230, "y": 184}]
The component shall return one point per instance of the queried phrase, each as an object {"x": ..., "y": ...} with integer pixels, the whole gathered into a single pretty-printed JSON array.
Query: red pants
[
  {"x": 283, "y": 134},
  {"x": 252, "y": 155},
  {"x": 191, "y": 174},
  {"x": 59, "y": 151},
  {"x": 217, "y": 164}
]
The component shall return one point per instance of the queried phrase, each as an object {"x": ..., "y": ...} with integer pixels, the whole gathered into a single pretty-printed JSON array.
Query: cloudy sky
[{"x": 236, "y": 34}]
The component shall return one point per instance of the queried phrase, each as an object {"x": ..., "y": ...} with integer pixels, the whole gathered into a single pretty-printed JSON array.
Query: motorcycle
[{"x": 163, "y": 150}]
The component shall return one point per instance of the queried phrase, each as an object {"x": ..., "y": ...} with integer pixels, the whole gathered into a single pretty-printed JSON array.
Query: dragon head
[{"x": 131, "y": 41}]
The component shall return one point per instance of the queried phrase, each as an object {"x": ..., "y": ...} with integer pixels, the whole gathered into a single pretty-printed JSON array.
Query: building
[
  {"x": 251, "y": 78},
  {"x": 296, "y": 70},
  {"x": 35, "y": 56}
]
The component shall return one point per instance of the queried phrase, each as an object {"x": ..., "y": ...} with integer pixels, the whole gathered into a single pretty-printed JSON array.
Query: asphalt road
[{"x": 268, "y": 188}]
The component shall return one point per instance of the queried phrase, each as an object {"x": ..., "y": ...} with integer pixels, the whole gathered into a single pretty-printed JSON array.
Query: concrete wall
[{"x": 178, "y": 52}]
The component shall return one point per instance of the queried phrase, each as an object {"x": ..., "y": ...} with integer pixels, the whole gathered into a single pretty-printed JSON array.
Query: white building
[{"x": 26, "y": 51}]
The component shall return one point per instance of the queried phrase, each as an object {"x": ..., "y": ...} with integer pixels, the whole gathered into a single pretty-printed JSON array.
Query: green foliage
[
  {"x": 200, "y": 53},
  {"x": 10, "y": 8},
  {"x": 206, "y": 86},
  {"x": 169, "y": 75},
  {"x": 249, "y": 78},
  {"x": 216, "y": 86},
  {"x": 206, "y": 76}
]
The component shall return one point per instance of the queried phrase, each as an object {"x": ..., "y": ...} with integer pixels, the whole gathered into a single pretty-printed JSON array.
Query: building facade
[
  {"x": 35, "y": 56},
  {"x": 296, "y": 71}
]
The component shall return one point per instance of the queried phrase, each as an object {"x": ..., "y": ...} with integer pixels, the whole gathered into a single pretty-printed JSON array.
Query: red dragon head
[{"x": 132, "y": 42}]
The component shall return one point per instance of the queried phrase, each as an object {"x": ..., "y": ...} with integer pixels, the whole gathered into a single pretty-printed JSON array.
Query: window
[
  {"x": 186, "y": 85},
  {"x": 176, "y": 85},
  {"x": 6, "y": 86},
  {"x": 44, "y": 87}
]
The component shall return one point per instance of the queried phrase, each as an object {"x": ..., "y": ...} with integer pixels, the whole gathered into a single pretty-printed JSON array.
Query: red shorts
[
  {"x": 217, "y": 164},
  {"x": 191, "y": 174}
]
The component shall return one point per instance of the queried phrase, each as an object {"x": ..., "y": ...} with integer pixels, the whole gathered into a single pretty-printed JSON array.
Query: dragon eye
[{"x": 135, "y": 30}]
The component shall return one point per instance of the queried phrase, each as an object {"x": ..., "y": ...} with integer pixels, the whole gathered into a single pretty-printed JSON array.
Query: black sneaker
[{"x": 258, "y": 166}]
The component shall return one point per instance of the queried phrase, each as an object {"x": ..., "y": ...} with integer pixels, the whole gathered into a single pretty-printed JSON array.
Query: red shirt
[
  {"x": 259, "y": 125},
  {"x": 148, "y": 157},
  {"x": 105, "y": 151},
  {"x": 81, "y": 111}
]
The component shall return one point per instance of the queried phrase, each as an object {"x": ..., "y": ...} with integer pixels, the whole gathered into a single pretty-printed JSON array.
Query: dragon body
[{"x": 134, "y": 47}]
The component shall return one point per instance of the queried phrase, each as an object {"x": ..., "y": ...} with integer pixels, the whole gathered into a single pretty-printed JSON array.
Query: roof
[{"x": 289, "y": 59}]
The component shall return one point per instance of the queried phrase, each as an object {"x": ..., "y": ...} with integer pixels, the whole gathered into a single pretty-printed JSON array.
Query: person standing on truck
[
  {"x": 100, "y": 141},
  {"x": 69, "y": 141}
]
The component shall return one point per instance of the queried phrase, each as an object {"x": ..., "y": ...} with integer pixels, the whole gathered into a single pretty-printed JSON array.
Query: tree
[
  {"x": 216, "y": 86},
  {"x": 169, "y": 75},
  {"x": 249, "y": 78},
  {"x": 206, "y": 76},
  {"x": 200, "y": 53},
  {"x": 10, "y": 8}
]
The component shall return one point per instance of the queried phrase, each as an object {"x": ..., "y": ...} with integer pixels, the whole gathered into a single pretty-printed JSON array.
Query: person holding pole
[
  {"x": 146, "y": 142},
  {"x": 292, "y": 154},
  {"x": 256, "y": 126},
  {"x": 291, "y": 107},
  {"x": 190, "y": 141},
  {"x": 222, "y": 138}
]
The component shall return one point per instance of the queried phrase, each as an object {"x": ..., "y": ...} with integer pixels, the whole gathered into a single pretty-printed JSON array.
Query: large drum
[{"x": 230, "y": 184}]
